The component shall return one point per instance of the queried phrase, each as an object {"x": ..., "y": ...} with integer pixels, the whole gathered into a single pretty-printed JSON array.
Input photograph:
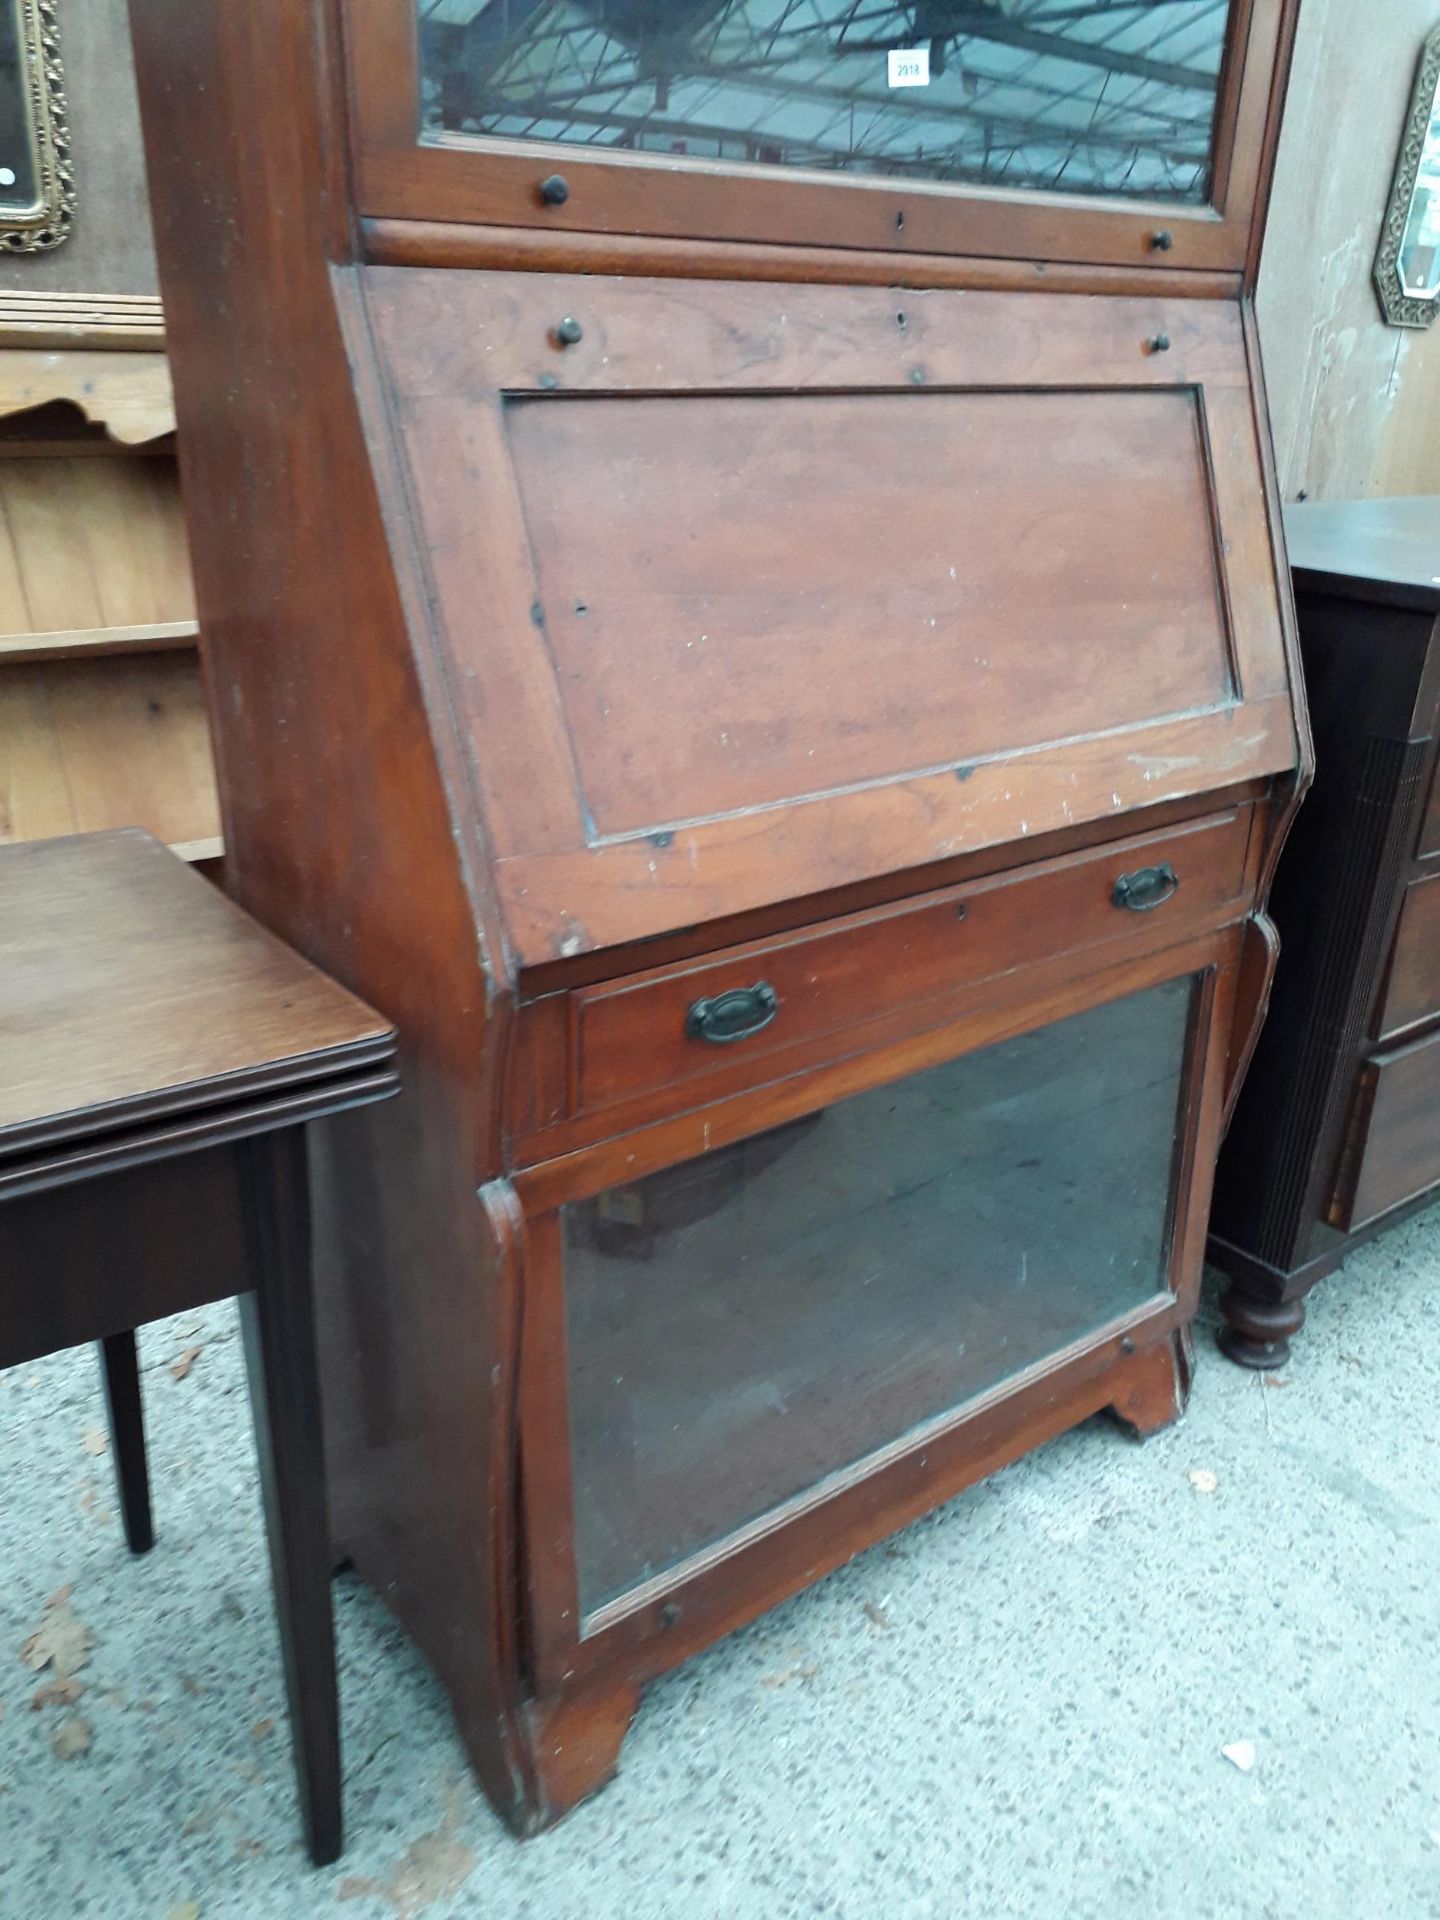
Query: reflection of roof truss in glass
[{"x": 1109, "y": 96}]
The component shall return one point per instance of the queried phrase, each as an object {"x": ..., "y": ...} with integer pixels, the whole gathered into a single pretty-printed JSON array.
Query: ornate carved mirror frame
[
  {"x": 1408, "y": 254},
  {"x": 37, "y": 189}
]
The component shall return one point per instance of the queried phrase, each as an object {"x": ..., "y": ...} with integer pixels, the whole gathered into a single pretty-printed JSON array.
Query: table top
[
  {"x": 1387, "y": 550},
  {"x": 132, "y": 991}
]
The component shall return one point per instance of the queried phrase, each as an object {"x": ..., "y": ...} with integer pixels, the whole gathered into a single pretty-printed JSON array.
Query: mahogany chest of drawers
[{"x": 1337, "y": 1132}]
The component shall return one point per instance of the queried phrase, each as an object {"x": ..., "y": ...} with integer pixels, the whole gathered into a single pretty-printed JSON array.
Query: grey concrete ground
[{"x": 1018, "y": 1707}]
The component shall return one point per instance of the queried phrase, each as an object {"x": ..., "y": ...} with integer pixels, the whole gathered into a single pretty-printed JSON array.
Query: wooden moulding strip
[
  {"x": 106, "y": 1153},
  {"x": 197, "y": 852},
  {"x": 34, "y": 318},
  {"x": 435, "y": 243},
  {"x": 159, "y": 637},
  {"x": 97, "y": 338},
  {"x": 252, "y": 1089}
]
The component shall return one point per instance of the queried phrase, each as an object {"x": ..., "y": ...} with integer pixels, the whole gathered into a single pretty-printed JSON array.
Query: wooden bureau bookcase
[{"x": 761, "y": 642}]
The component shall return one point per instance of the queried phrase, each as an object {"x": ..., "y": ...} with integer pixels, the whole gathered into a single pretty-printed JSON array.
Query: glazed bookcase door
[
  {"x": 1108, "y": 133},
  {"x": 725, "y": 1343}
]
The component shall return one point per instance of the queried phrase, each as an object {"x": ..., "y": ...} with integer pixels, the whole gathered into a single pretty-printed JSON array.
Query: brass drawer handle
[
  {"x": 734, "y": 1015},
  {"x": 1150, "y": 887}
]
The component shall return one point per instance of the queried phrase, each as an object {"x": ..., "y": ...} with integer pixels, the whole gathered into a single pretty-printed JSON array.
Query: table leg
[
  {"x": 279, "y": 1331},
  {"x": 120, "y": 1366}
]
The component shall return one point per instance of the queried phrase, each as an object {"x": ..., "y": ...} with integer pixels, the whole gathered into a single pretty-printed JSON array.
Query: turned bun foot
[{"x": 1257, "y": 1333}]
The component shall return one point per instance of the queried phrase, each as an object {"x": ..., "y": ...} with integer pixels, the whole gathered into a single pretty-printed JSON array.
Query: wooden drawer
[
  {"x": 1412, "y": 986},
  {"x": 596, "y": 1049},
  {"x": 1393, "y": 1151}
]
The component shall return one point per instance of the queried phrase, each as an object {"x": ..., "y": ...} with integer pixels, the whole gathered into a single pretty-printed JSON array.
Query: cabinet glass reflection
[
  {"x": 1113, "y": 97},
  {"x": 742, "y": 1326}
]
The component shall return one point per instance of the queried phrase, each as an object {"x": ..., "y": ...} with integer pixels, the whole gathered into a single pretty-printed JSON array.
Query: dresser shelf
[{"x": 162, "y": 637}]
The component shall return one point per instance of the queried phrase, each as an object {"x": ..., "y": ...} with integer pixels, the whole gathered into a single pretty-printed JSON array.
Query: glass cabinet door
[
  {"x": 1131, "y": 133},
  {"x": 742, "y": 1326},
  {"x": 1114, "y": 97}
]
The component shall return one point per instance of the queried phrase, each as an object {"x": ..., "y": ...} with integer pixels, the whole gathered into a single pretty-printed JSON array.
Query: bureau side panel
[{"x": 338, "y": 818}]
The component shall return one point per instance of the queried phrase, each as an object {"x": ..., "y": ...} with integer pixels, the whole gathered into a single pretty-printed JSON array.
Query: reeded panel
[
  {"x": 742, "y": 1326},
  {"x": 1114, "y": 97},
  {"x": 1430, "y": 830}
]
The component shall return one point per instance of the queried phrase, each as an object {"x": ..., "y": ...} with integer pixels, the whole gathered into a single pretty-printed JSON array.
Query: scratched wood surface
[{"x": 999, "y": 536}]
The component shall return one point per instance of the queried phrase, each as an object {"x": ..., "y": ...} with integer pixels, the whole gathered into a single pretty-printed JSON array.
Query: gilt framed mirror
[
  {"x": 1407, "y": 265},
  {"x": 37, "y": 189}
]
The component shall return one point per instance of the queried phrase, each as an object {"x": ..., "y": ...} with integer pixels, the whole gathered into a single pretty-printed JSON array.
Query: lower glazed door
[{"x": 718, "y": 1342}]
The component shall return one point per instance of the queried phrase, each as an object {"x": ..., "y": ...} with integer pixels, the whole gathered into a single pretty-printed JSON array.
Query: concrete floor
[{"x": 1017, "y": 1707}]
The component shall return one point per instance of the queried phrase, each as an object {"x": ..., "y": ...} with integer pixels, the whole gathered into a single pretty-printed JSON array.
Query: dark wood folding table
[{"x": 160, "y": 1047}]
